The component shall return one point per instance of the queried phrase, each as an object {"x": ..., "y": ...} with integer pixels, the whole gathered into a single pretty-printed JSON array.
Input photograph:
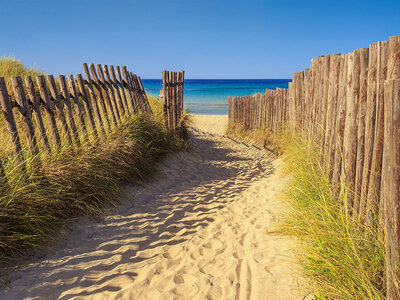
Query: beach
[{"x": 204, "y": 228}]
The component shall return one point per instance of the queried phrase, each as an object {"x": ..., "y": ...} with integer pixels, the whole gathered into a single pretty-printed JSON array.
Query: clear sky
[{"x": 207, "y": 39}]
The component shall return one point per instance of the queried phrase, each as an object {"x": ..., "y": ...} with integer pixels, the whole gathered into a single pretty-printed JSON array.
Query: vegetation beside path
[
  {"x": 75, "y": 182},
  {"x": 339, "y": 259}
]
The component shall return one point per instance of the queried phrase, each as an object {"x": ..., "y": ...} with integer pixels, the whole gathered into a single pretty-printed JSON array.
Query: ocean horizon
[{"x": 210, "y": 96}]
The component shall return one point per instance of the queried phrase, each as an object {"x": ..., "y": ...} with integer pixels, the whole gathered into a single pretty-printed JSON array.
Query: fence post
[
  {"x": 340, "y": 119},
  {"x": 44, "y": 94},
  {"x": 362, "y": 102},
  {"x": 128, "y": 85},
  {"x": 108, "y": 93},
  {"x": 75, "y": 98},
  {"x": 6, "y": 107},
  {"x": 36, "y": 109},
  {"x": 390, "y": 195},
  {"x": 67, "y": 104},
  {"x": 121, "y": 86},
  {"x": 376, "y": 163},
  {"x": 350, "y": 128},
  {"x": 93, "y": 93},
  {"x": 82, "y": 91},
  {"x": 369, "y": 127},
  {"x": 112, "y": 81},
  {"x": 98, "y": 90},
  {"x": 25, "y": 112}
]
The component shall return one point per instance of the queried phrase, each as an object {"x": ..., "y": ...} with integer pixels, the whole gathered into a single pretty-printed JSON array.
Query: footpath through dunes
[{"x": 198, "y": 231}]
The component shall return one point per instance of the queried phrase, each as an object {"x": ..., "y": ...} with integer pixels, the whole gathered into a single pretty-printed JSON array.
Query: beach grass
[
  {"x": 343, "y": 259},
  {"x": 340, "y": 258},
  {"x": 76, "y": 181}
]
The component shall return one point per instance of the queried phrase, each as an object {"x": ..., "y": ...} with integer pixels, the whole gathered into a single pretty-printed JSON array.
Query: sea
[{"x": 210, "y": 96}]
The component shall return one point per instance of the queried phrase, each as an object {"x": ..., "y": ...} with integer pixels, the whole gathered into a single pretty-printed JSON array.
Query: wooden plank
[
  {"x": 25, "y": 113},
  {"x": 143, "y": 91},
  {"x": 314, "y": 98},
  {"x": 393, "y": 65},
  {"x": 170, "y": 99},
  {"x": 392, "y": 73},
  {"x": 370, "y": 118},
  {"x": 57, "y": 103},
  {"x": 361, "y": 116},
  {"x": 330, "y": 140},
  {"x": 68, "y": 108},
  {"x": 108, "y": 94},
  {"x": 114, "y": 84},
  {"x": 139, "y": 99},
  {"x": 390, "y": 193},
  {"x": 37, "y": 112},
  {"x": 95, "y": 97},
  {"x": 123, "y": 91},
  {"x": 350, "y": 129},
  {"x": 340, "y": 123},
  {"x": 86, "y": 105},
  {"x": 175, "y": 99},
  {"x": 102, "y": 96},
  {"x": 6, "y": 107},
  {"x": 131, "y": 93},
  {"x": 45, "y": 97},
  {"x": 108, "y": 83},
  {"x": 75, "y": 98},
  {"x": 165, "y": 96},
  {"x": 170, "y": 102},
  {"x": 376, "y": 163},
  {"x": 182, "y": 87},
  {"x": 325, "y": 69}
]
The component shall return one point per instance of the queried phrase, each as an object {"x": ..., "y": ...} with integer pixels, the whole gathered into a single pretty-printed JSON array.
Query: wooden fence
[
  {"x": 173, "y": 97},
  {"x": 349, "y": 105},
  {"x": 70, "y": 106}
]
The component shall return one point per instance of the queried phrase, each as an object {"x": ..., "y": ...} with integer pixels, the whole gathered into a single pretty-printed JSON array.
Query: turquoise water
[{"x": 210, "y": 96}]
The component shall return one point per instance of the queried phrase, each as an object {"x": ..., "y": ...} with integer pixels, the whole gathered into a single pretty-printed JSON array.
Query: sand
[{"x": 200, "y": 230}]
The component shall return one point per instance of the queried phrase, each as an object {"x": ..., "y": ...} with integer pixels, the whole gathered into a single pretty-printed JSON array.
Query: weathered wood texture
[
  {"x": 173, "y": 83},
  {"x": 349, "y": 106},
  {"x": 62, "y": 101}
]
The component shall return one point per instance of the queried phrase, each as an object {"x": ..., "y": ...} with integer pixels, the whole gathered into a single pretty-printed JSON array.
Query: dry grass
[
  {"x": 74, "y": 181},
  {"x": 341, "y": 259}
]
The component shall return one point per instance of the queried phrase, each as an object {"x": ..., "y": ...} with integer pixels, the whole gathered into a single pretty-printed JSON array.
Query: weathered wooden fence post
[
  {"x": 6, "y": 107},
  {"x": 25, "y": 112},
  {"x": 390, "y": 194},
  {"x": 361, "y": 120},
  {"x": 75, "y": 98},
  {"x": 44, "y": 94},
  {"x": 173, "y": 84},
  {"x": 372, "y": 204},
  {"x": 67, "y": 105}
]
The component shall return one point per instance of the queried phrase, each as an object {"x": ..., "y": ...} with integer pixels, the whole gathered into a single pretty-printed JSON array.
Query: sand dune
[{"x": 199, "y": 231}]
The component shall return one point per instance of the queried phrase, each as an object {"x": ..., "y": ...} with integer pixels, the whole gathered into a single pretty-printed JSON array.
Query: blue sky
[{"x": 207, "y": 39}]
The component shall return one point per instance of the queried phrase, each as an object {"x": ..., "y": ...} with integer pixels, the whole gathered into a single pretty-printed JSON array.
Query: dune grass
[
  {"x": 10, "y": 67},
  {"x": 339, "y": 258},
  {"x": 77, "y": 181},
  {"x": 261, "y": 136},
  {"x": 345, "y": 260},
  {"x": 74, "y": 181}
]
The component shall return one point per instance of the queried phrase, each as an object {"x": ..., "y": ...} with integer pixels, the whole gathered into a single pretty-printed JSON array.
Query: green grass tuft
[
  {"x": 340, "y": 259},
  {"x": 343, "y": 260},
  {"x": 73, "y": 182}
]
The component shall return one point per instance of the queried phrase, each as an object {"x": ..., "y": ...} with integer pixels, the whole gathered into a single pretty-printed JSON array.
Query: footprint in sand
[{"x": 196, "y": 232}]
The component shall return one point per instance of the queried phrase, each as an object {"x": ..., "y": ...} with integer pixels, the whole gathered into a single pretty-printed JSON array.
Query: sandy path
[{"x": 197, "y": 232}]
